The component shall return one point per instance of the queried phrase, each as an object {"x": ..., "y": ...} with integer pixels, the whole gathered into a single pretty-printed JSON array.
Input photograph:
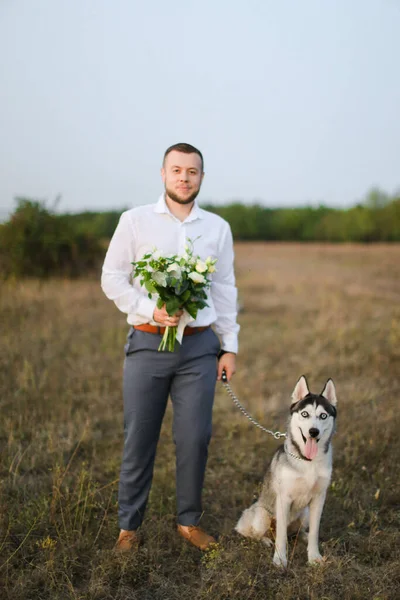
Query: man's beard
[{"x": 176, "y": 198}]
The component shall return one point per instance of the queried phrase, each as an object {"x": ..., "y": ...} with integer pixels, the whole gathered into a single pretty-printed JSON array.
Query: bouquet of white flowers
[{"x": 180, "y": 282}]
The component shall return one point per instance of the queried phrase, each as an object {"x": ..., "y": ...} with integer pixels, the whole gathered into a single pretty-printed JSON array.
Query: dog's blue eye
[
  {"x": 323, "y": 416},
  {"x": 305, "y": 414}
]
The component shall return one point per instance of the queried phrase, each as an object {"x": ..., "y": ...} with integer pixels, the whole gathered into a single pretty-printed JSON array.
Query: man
[{"x": 189, "y": 373}]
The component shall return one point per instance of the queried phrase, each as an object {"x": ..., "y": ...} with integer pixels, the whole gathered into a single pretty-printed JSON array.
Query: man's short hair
[{"x": 186, "y": 149}]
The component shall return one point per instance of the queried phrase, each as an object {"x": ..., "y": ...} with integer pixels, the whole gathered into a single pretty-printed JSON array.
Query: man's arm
[
  {"x": 117, "y": 270},
  {"x": 224, "y": 295}
]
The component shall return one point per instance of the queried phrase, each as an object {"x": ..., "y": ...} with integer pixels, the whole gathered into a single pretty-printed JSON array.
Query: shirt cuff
[
  {"x": 229, "y": 343},
  {"x": 146, "y": 308}
]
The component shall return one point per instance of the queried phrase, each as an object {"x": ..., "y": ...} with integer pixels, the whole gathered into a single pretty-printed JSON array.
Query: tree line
[{"x": 36, "y": 241}]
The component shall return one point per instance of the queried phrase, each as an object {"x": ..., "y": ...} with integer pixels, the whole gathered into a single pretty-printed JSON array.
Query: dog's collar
[{"x": 294, "y": 455}]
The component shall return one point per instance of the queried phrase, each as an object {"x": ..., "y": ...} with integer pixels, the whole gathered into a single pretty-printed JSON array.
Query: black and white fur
[{"x": 295, "y": 485}]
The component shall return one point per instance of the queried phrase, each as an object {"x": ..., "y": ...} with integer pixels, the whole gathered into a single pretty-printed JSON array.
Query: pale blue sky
[{"x": 292, "y": 102}]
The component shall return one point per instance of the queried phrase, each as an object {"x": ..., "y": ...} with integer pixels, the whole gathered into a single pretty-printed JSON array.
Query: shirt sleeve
[
  {"x": 117, "y": 269},
  {"x": 224, "y": 294}
]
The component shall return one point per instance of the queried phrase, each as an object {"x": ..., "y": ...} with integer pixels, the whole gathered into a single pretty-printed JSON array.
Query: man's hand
[
  {"x": 227, "y": 362},
  {"x": 161, "y": 316}
]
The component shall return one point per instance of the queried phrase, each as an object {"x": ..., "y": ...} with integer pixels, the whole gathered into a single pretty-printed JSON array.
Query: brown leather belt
[{"x": 161, "y": 330}]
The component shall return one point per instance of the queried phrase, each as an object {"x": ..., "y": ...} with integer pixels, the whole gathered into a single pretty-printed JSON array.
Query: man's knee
[{"x": 193, "y": 439}]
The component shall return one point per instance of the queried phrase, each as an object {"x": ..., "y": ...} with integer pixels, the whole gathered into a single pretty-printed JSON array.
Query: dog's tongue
[{"x": 311, "y": 448}]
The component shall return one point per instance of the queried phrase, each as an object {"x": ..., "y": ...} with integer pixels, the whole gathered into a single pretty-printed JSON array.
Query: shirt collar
[{"x": 162, "y": 208}]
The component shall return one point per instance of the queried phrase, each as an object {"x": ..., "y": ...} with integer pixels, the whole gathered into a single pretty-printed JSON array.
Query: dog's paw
[
  {"x": 267, "y": 541},
  {"x": 316, "y": 559},
  {"x": 279, "y": 561}
]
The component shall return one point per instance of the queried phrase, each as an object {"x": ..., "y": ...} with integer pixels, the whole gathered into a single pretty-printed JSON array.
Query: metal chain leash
[{"x": 276, "y": 434}]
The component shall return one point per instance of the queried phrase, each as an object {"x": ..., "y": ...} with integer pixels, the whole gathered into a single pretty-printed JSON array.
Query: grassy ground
[{"x": 325, "y": 311}]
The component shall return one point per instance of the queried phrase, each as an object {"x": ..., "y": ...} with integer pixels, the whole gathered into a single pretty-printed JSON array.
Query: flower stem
[{"x": 168, "y": 340}]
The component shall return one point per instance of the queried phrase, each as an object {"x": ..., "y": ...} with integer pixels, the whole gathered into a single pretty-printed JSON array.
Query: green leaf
[
  {"x": 162, "y": 292},
  {"x": 172, "y": 305},
  {"x": 180, "y": 287},
  {"x": 191, "y": 309},
  {"x": 185, "y": 296},
  {"x": 150, "y": 287},
  {"x": 201, "y": 304}
]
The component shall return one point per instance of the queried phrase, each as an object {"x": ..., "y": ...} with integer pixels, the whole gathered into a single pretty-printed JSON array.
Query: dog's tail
[{"x": 254, "y": 522}]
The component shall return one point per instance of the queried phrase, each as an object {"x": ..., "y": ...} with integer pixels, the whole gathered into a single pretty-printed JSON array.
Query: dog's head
[{"x": 312, "y": 418}]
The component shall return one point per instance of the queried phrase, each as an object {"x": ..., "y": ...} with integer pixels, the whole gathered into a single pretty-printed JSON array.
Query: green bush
[
  {"x": 100, "y": 225},
  {"x": 37, "y": 243},
  {"x": 377, "y": 220}
]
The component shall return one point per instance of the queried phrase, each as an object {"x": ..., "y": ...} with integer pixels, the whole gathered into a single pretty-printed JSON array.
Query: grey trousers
[{"x": 188, "y": 375}]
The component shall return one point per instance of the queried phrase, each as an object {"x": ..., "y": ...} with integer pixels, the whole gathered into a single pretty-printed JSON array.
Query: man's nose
[
  {"x": 184, "y": 176},
  {"x": 314, "y": 432}
]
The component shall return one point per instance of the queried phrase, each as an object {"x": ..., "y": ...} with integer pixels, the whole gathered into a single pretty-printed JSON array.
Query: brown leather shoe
[
  {"x": 127, "y": 541},
  {"x": 196, "y": 536}
]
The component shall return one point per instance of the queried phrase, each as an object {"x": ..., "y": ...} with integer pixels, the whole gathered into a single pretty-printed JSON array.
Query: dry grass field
[{"x": 322, "y": 310}]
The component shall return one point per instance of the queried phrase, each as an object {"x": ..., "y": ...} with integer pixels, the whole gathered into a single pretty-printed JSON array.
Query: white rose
[
  {"x": 201, "y": 266},
  {"x": 173, "y": 267},
  {"x": 160, "y": 278},
  {"x": 211, "y": 269},
  {"x": 197, "y": 277},
  {"x": 175, "y": 270}
]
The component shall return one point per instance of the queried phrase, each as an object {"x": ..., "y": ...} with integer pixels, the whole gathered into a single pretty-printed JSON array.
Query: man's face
[{"x": 182, "y": 175}]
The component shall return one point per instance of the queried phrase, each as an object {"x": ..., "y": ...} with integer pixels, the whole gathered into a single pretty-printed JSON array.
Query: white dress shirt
[{"x": 141, "y": 230}]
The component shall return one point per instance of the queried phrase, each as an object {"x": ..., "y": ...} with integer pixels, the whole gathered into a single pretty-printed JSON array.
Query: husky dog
[{"x": 295, "y": 485}]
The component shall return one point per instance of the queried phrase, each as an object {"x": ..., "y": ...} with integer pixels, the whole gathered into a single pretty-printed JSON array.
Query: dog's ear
[
  {"x": 329, "y": 392},
  {"x": 300, "y": 391}
]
